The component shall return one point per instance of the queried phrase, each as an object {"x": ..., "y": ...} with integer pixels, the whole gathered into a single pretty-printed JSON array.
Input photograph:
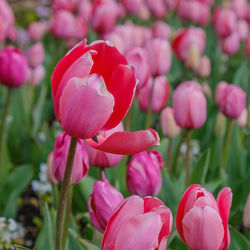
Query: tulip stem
[
  {"x": 228, "y": 142},
  {"x": 64, "y": 193},
  {"x": 149, "y": 113},
  {"x": 2, "y": 126},
  {"x": 187, "y": 165},
  {"x": 128, "y": 120},
  {"x": 168, "y": 161},
  {"x": 67, "y": 217}
]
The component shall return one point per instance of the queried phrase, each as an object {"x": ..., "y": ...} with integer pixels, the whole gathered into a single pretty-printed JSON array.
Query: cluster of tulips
[{"x": 93, "y": 90}]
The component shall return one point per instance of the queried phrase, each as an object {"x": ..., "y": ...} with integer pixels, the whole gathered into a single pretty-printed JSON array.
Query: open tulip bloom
[{"x": 93, "y": 88}]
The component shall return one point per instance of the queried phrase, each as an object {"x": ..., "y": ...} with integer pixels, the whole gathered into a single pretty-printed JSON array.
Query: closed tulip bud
[
  {"x": 242, "y": 120},
  {"x": 231, "y": 99},
  {"x": 160, "y": 97},
  {"x": 37, "y": 30},
  {"x": 220, "y": 125},
  {"x": 246, "y": 215},
  {"x": 204, "y": 69},
  {"x": 201, "y": 221},
  {"x": 138, "y": 58},
  {"x": 98, "y": 158},
  {"x": 13, "y": 67},
  {"x": 50, "y": 175},
  {"x": 190, "y": 105},
  {"x": 36, "y": 55},
  {"x": 160, "y": 56},
  {"x": 36, "y": 75},
  {"x": 138, "y": 223},
  {"x": 231, "y": 44},
  {"x": 193, "y": 58},
  {"x": 81, "y": 162},
  {"x": 161, "y": 30},
  {"x": 144, "y": 173},
  {"x": 102, "y": 203},
  {"x": 247, "y": 48},
  {"x": 168, "y": 124}
]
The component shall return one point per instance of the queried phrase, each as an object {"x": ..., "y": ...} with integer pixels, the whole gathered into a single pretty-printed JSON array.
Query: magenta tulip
[
  {"x": 201, "y": 221},
  {"x": 138, "y": 223},
  {"x": 102, "y": 203},
  {"x": 190, "y": 105}
]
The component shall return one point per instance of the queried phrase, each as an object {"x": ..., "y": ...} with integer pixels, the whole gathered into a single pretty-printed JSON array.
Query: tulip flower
[
  {"x": 103, "y": 202},
  {"x": 133, "y": 6},
  {"x": 239, "y": 7},
  {"x": 231, "y": 99},
  {"x": 161, "y": 30},
  {"x": 13, "y": 67},
  {"x": 98, "y": 158},
  {"x": 242, "y": 120},
  {"x": 93, "y": 88},
  {"x": 157, "y": 8},
  {"x": 36, "y": 55},
  {"x": 36, "y": 30},
  {"x": 49, "y": 173},
  {"x": 84, "y": 9},
  {"x": 190, "y": 105},
  {"x": 36, "y": 75},
  {"x": 246, "y": 214},
  {"x": 231, "y": 44},
  {"x": 161, "y": 94},
  {"x": 144, "y": 173},
  {"x": 201, "y": 221},
  {"x": 204, "y": 68},
  {"x": 138, "y": 223},
  {"x": 242, "y": 29},
  {"x": 60, "y": 153}
]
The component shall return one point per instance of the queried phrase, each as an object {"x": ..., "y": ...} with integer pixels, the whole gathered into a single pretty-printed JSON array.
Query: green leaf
[
  {"x": 20, "y": 248},
  {"x": 73, "y": 243},
  {"x": 238, "y": 241},
  {"x": 45, "y": 239}
]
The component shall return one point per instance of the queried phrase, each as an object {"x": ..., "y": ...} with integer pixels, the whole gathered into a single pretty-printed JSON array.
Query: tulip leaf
[
  {"x": 16, "y": 247},
  {"x": 238, "y": 241},
  {"x": 73, "y": 243}
]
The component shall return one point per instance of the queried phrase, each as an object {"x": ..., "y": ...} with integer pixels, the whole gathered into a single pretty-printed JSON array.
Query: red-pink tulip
[
  {"x": 144, "y": 173},
  {"x": 231, "y": 99},
  {"x": 138, "y": 58},
  {"x": 201, "y": 221},
  {"x": 204, "y": 68},
  {"x": 60, "y": 153},
  {"x": 161, "y": 30},
  {"x": 190, "y": 105},
  {"x": 168, "y": 124},
  {"x": 247, "y": 46},
  {"x": 102, "y": 203},
  {"x": 160, "y": 56},
  {"x": 185, "y": 38},
  {"x": 36, "y": 55},
  {"x": 161, "y": 93},
  {"x": 93, "y": 88},
  {"x": 13, "y": 67},
  {"x": 37, "y": 30},
  {"x": 231, "y": 44},
  {"x": 246, "y": 214},
  {"x": 138, "y": 223},
  {"x": 102, "y": 159}
]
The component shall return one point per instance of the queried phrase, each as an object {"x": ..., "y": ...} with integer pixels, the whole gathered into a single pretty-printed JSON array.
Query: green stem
[
  {"x": 168, "y": 161},
  {"x": 128, "y": 120},
  {"x": 55, "y": 195},
  {"x": 149, "y": 113},
  {"x": 2, "y": 126},
  {"x": 64, "y": 192},
  {"x": 187, "y": 160},
  {"x": 228, "y": 142},
  {"x": 67, "y": 217}
]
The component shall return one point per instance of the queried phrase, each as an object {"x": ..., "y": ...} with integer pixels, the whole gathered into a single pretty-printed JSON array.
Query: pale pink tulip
[
  {"x": 242, "y": 120},
  {"x": 36, "y": 54},
  {"x": 37, "y": 30},
  {"x": 161, "y": 30},
  {"x": 204, "y": 69}
]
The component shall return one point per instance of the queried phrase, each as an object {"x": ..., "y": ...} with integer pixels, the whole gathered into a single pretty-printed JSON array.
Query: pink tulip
[
  {"x": 242, "y": 120},
  {"x": 231, "y": 44},
  {"x": 169, "y": 126},
  {"x": 133, "y": 6},
  {"x": 60, "y": 153},
  {"x": 157, "y": 8},
  {"x": 225, "y": 22},
  {"x": 138, "y": 223},
  {"x": 37, "y": 30},
  {"x": 102, "y": 203},
  {"x": 204, "y": 69},
  {"x": 239, "y": 7},
  {"x": 201, "y": 221},
  {"x": 160, "y": 56},
  {"x": 246, "y": 215},
  {"x": 68, "y": 5},
  {"x": 231, "y": 99},
  {"x": 84, "y": 9},
  {"x": 144, "y": 173},
  {"x": 80, "y": 28},
  {"x": 247, "y": 47},
  {"x": 138, "y": 58},
  {"x": 13, "y": 67},
  {"x": 36, "y": 54},
  {"x": 93, "y": 88},
  {"x": 102, "y": 159},
  {"x": 49, "y": 173},
  {"x": 161, "y": 30},
  {"x": 37, "y": 75},
  {"x": 242, "y": 28},
  {"x": 185, "y": 38},
  {"x": 190, "y": 105},
  {"x": 171, "y": 4},
  {"x": 161, "y": 93}
]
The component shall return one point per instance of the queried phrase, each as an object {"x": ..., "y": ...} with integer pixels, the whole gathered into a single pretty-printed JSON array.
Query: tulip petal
[
  {"x": 203, "y": 229},
  {"x": 151, "y": 203},
  {"x": 122, "y": 85},
  {"x": 85, "y": 106},
  {"x": 148, "y": 225},
  {"x": 127, "y": 143},
  {"x": 224, "y": 201}
]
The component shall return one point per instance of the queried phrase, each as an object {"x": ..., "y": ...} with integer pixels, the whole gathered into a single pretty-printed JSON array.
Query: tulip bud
[
  {"x": 36, "y": 30},
  {"x": 242, "y": 28},
  {"x": 36, "y": 55},
  {"x": 231, "y": 44},
  {"x": 204, "y": 69},
  {"x": 161, "y": 30},
  {"x": 102, "y": 203},
  {"x": 231, "y": 99},
  {"x": 144, "y": 173},
  {"x": 36, "y": 75},
  {"x": 160, "y": 97},
  {"x": 220, "y": 125},
  {"x": 190, "y": 105},
  {"x": 158, "y": 8},
  {"x": 168, "y": 124},
  {"x": 193, "y": 58},
  {"x": 13, "y": 67},
  {"x": 81, "y": 162},
  {"x": 246, "y": 215},
  {"x": 50, "y": 175},
  {"x": 242, "y": 120}
]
